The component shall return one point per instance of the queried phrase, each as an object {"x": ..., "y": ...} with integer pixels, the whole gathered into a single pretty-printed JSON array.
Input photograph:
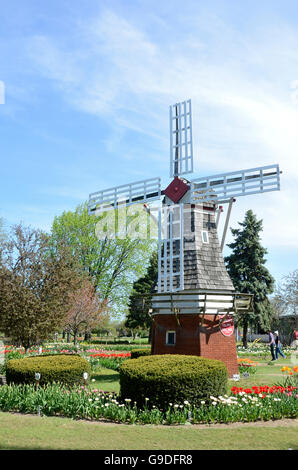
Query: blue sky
[{"x": 88, "y": 85}]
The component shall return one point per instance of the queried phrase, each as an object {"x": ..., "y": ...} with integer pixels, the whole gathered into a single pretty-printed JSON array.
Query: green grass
[
  {"x": 34, "y": 433},
  {"x": 267, "y": 373},
  {"x": 106, "y": 380},
  {"x": 51, "y": 433}
]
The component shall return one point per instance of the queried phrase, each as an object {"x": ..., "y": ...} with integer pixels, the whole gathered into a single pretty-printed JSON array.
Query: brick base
[{"x": 195, "y": 339}]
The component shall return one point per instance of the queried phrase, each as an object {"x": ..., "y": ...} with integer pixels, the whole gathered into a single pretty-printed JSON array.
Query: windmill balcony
[{"x": 187, "y": 302}]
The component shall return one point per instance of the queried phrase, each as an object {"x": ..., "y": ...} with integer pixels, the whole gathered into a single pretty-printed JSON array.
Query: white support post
[
  {"x": 159, "y": 249},
  {"x": 226, "y": 224},
  {"x": 165, "y": 250},
  {"x": 171, "y": 248},
  {"x": 181, "y": 286},
  {"x": 219, "y": 211}
]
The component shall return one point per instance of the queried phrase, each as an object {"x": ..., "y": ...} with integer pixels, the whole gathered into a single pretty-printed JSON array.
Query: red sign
[{"x": 227, "y": 326}]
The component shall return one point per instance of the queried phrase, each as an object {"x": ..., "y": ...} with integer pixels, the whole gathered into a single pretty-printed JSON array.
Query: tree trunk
[
  {"x": 150, "y": 334},
  {"x": 87, "y": 335},
  {"x": 244, "y": 337}
]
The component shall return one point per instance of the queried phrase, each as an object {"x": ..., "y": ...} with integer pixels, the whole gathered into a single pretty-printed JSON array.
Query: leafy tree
[
  {"x": 140, "y": 299},
  {"x": 111, "y": 263},
  {"x": 34, "y": 286},
  {"x": 86, "y": 310},
  {"x": 121, "y": 329},
  {"x": 246, "y": 267}
]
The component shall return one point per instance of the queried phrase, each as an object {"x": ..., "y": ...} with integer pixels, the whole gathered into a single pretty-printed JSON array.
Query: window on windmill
[
  {"x": 205, "y": 237},
  {"x": 171, "y": 338}
]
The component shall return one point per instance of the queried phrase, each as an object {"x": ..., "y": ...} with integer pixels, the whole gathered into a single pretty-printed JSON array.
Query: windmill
[{"x": 194, "y": 301}]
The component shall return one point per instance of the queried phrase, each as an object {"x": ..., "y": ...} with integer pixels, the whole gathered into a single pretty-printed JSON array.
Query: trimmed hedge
[
  {"x": 140, "y": 352},
  {"x": 64, "y": 368},
  {"x": 172, "y": 378}
]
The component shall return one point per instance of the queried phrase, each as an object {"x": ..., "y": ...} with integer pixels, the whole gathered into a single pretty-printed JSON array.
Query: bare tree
[
  {"x": 285, "y": 301},
  {"x": 287, "y": 294}
]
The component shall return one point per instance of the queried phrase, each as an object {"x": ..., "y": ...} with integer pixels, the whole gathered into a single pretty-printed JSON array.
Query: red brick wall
[{"x": 191, "y": 338}]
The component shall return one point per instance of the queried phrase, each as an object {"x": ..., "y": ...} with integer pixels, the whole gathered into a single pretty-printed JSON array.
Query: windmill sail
[
  {"x": 181, "y": 147},
  {"x": 221, "y": 188},
  {"x": 170, "y": 249},
  {"x": 127, "y": 194}
]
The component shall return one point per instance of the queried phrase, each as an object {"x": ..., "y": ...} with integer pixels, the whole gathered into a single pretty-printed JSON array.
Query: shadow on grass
[
  {"x": 106, "y": 377},
  {"x": 4, "y": 447}
]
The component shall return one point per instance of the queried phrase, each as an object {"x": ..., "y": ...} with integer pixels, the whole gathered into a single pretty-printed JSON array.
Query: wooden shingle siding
[{"x": 203, "y": 264}]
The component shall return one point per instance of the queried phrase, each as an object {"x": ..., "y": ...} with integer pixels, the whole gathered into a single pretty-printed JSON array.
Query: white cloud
[{"x": 244, "y": 112}]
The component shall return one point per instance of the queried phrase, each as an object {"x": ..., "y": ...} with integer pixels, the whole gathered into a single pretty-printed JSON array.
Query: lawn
[
  {"x": 267, "y": 373},
  {"x": 33, "y": 432},
  {"x": 105, "y": 379}
]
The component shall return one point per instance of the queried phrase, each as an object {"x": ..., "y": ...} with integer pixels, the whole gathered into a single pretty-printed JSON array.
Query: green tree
[
  {"x": 140, "y": 299},
  {"x": 246, "y": 267},
  {"x": 111, "y": 263},
  {"x": 35, "y": 286}
]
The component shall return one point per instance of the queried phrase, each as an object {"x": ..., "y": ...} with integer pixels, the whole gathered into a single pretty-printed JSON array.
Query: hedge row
[
  {"x": 64, "y": 368},
  {"x": 140, "y": 352},
  {"x": 171, "y": 378}
]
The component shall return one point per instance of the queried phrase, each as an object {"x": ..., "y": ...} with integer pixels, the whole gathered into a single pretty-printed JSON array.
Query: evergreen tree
[
  {"x": 140, "y": 299},
  {"x": 246, "y": 267}
]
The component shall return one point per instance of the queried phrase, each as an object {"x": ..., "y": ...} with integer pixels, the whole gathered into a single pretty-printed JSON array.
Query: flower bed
[
  {"x": 109, "y": 359},
  {"x": 289, "y": 370},
  {"x": 263, "y": 390},
  {"x": 260, "y": 350},
  {"x": 244, "y": 405},
  {"x": 246, "y": 365}
]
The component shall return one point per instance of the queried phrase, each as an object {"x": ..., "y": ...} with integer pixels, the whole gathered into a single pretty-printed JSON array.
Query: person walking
[
  {"x": 278, "y": 346},
  {"x": 272, "y": 344}
]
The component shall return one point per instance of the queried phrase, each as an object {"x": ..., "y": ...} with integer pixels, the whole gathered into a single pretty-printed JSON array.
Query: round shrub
[
  {"x": 172, "y": 378},
  {"x": 63, "y": 368},
  {"x": 140, "y": 352}
]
